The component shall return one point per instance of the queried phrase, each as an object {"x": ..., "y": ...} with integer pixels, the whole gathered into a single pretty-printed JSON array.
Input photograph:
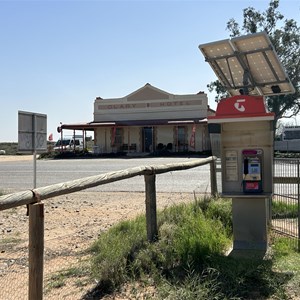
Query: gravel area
[{"x": 72, "y": 223}]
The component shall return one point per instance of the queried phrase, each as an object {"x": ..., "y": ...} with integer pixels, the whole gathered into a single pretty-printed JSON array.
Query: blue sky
[{"x": 56, "y": 57}]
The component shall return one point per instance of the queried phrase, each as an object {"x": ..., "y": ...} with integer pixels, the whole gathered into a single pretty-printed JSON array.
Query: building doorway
[
  {"x": 181, "y": 135},
  {"x": 147, "y": 139}
]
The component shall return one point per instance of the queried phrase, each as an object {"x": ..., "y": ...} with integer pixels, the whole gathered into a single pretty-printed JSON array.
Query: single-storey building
[{"x": 148, "y": 120}]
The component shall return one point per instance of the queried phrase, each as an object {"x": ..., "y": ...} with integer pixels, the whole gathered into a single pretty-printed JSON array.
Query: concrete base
[
  {"x": 250, "y": 218},
  {"x": 250, "y": 254}
]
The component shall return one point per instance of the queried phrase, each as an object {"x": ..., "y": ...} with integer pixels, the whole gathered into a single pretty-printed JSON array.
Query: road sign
[{"x": 32, "y": 132}]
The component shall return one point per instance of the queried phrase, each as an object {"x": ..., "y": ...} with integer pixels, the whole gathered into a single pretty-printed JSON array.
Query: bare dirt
[{"x": 72, "y": 223}]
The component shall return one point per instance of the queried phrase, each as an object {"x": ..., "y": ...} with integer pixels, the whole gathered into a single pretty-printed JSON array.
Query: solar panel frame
[{"x": 248, "y": 65}]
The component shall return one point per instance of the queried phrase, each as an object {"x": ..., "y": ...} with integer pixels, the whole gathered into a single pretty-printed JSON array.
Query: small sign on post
[
  {"x": 32, "y": 132},
  {"x": 32, "y": 135}
]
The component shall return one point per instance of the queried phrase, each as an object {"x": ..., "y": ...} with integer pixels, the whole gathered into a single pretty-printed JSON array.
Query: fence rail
[
  {"x": 42, "y": 193},
  {"x": 33, "y": 199}
]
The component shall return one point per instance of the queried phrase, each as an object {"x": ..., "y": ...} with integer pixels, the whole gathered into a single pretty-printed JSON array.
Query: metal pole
[
  {"x": 34, "y": 169},
  {"x": 34, "y": 150},
  {"x": 74, "y": 144},
  {"x": 298, "y": 191},
  {"x": 83, "y": 136},
  {"x": 61, "y": 140}
]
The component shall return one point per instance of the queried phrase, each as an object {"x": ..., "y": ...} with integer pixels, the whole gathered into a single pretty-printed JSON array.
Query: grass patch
[
  {"x": 115, "y": 251},
  {"x": 282, "y": 209},
  {"x": 188, "y": 261},
  {"x": 10, "y": 241},
  {"x": 287, "y": 262},
  {"x": 59, "y": 279},
  {"x": 190, "y": 235}
]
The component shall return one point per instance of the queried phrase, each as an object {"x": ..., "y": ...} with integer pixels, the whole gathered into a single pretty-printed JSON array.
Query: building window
[{"x": 292, "y": 135}]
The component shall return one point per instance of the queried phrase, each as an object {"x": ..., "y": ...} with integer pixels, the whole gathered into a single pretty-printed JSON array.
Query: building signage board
[
  {"x": 32, "y": 132},
  {"x": 148, "y": 105}
]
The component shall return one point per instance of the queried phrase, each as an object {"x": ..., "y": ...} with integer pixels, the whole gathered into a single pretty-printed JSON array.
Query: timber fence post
[
  {"x": 151, "y": 218},
  {"x": 213, "y": 178},
  {"x": 36, "y": 250}
]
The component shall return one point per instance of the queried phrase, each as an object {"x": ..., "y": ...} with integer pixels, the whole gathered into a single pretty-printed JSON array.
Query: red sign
[
  {"x": 113, "y": 135},
  {"x": 241, "y": 106},
  {"x": 252, "y": 185},
  {"x": 192, "y": 139}
]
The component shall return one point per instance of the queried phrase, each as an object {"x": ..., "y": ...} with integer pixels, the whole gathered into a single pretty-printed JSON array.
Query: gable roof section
[{"x": 148, "y": 92}]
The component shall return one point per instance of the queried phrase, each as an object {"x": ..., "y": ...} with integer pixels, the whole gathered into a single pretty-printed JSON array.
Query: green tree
[{"x": 285, "y": 36}]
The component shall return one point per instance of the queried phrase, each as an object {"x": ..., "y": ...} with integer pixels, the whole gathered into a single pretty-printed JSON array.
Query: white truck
[{"x": 67, "y": 144}]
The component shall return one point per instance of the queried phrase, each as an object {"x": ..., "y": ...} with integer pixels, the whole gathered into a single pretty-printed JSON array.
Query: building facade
[{"x": 149, "y": 120}]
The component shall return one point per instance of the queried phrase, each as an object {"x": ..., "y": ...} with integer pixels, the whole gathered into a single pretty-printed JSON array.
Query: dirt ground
[{"x": 72, "y": 223}]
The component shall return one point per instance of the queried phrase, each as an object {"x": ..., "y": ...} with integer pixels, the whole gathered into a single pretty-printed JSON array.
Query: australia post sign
[{"x": 32, "y": 132}]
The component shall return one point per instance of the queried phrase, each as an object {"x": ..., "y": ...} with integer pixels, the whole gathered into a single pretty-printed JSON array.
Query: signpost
[
  {"x": 32, "y": 135},
  {"x": 32, "y": 138}
]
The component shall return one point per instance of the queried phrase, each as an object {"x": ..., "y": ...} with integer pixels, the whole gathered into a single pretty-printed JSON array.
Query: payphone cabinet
[{"x": 252, "y": 170}]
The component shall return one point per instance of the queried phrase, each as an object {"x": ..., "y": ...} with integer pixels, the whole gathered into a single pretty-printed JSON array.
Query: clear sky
[{"x": 56, "y": 57}]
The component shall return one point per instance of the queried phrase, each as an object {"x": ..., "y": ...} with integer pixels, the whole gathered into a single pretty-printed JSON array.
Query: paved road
[{"x": 18, "y": 175}]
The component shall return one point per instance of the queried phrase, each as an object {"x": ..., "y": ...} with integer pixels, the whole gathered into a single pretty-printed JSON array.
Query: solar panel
[{"x": 248, "y": 65}]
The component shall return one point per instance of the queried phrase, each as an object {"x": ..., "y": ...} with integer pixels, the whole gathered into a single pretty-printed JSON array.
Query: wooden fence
[{"x": 33, "y": 199}]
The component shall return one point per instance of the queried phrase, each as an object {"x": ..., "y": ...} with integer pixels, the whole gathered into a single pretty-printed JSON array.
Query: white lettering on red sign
[{"x": 240, "y": 107}]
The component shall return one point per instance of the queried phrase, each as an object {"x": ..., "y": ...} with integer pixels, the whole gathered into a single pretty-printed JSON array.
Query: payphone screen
[
  {"x": 254, "y": 168},
  {"x": 252, "y": 171}
]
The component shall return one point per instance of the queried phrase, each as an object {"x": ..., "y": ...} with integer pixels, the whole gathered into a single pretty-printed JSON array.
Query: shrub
[
  {"x": 186, "y": 237},
  {"x": 221, "y": 210},
  {"x": 115, "y": 250}
]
